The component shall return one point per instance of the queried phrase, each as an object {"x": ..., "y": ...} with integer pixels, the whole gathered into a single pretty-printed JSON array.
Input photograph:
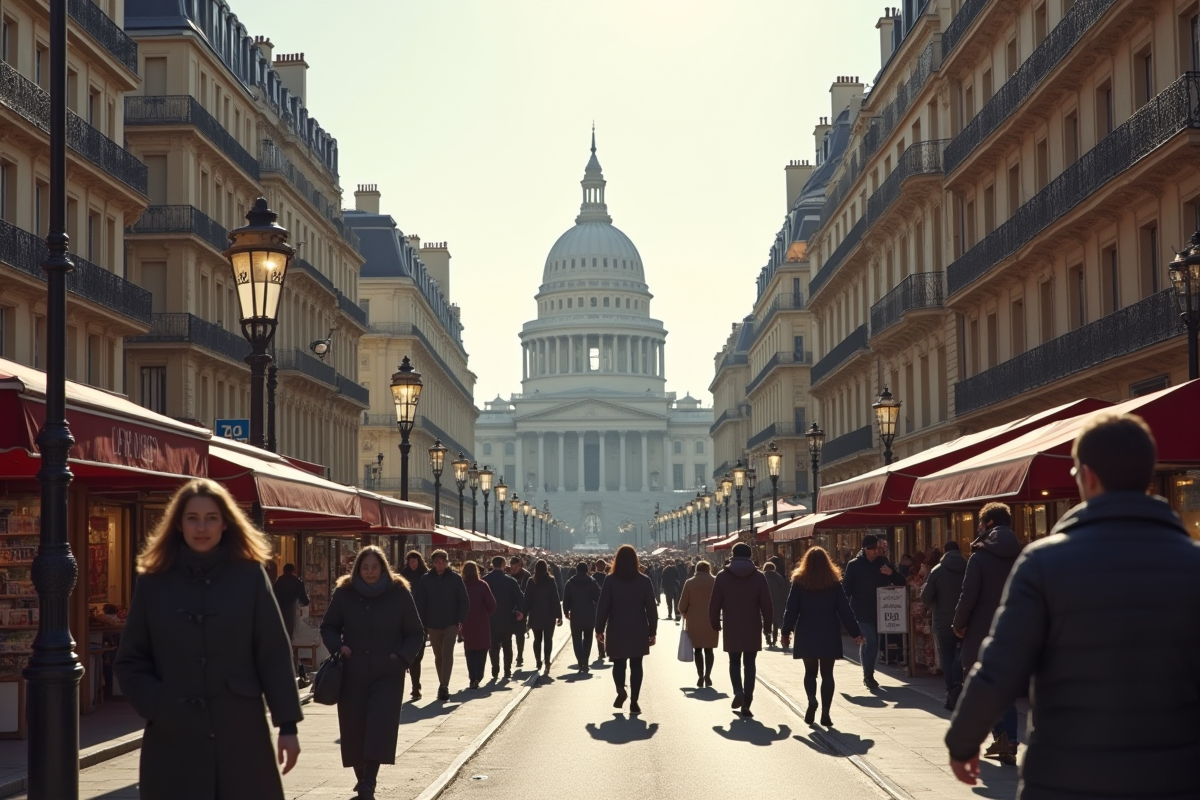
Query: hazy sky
[{"x": 474, "y": 116}]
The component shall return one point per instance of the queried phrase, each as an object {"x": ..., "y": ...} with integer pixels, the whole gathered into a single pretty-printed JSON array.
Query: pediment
[{"x": 590, "y": 411}]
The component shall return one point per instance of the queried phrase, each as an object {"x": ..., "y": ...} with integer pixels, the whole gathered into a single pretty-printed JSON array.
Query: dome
[{"x": 592, "y": 249}]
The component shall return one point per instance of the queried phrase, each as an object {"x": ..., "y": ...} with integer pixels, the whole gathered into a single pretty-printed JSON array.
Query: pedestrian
[
  {"x": 817, "y": 610},
  {"x": 940, "y": 594},
  {"x": 443, "y": 604},
  {"x": 1100, "y": 616},
  {"x": 579, "y": 604},
  {"x": 509, "y": 600},
  {"x": 601, "y": 570},
  {"x": 477, "y": 629},
  {"x": 669, "y": 580},
  {"x": 289, "y": 593},
  {"x": 414, "y": 567},
  {"x": 372, "y": 621},
  {"x": 543, "y": 610},
  {"x": 993, "y": 554},
  {"x": 864, "y": 575},
  {"x": 203, "y": 645},
  {"x": 516, "y": 569},
  {"x": 693, "y": 605},
  {"x": 778, "y": 585},
  {"x": 627, "y": 623},
  {"x": 741, "y": 601}
]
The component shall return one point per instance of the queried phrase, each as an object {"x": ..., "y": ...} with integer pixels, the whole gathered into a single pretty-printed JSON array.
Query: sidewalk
[{"x": 897, "y": 731}]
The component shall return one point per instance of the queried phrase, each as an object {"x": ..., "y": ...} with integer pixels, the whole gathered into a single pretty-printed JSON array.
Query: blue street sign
[{"x": 238, "y": 429}]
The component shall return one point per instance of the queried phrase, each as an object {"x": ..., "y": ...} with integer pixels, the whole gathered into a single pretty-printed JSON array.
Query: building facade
[
  {"x": 405, "y": 288},
  {"x": 594, "y": 433},
  {"x": 219, "y": 120}
]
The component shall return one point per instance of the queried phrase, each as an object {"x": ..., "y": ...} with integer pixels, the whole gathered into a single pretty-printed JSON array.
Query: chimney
[
  {"x": 264, "y": 46},
  {"x": 413, "y": 241},
  {"x": 819, "y": 133},
  {"x": 436, "y": 256},
  {"x": 797, "y": 173},
  {"x": 846, "y": 92},
  {"x": 366, "y": 198},
  {"x": 886, "y": 25},
  {"x": 292, "y": 70}
]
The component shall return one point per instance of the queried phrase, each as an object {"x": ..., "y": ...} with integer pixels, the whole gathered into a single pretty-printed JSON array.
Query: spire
[
  {"x": 593, "y": 163},
  {"x": 593, "y": 208}
]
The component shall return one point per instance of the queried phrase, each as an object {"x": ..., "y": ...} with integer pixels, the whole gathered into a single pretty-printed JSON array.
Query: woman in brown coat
[{"x": 693, "y": 604}]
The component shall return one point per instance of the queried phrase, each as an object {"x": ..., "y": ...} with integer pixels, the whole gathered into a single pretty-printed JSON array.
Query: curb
[
  {"x": 833, "y": 744},
  {"x": 440, "y": 784},
  {"x": 90, "y": 757}
]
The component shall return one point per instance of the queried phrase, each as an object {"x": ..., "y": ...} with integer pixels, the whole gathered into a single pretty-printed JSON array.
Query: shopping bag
[
  {"x": 327, "y": 685},
  {"x": 685, "y": 645}
]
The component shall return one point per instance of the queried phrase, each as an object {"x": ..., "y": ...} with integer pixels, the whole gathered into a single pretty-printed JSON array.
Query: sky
[{"x": 474, "y": 118}]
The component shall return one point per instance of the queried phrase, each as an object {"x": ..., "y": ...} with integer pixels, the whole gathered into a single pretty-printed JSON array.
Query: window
[
  {"x": 1104, "y": 109},
  {"x": 974, "y": 367},
  {"x": 366, "y": 307},
  {"x": 698, "y": 475},
  {"x": 677, "y": 474},
  {"x": 1010, "y": 58},
  {"x": 1110, "y": 281},
  {"x": 8, "y": 41},
  {"x": 1189, "y": 42},
  {"x": 798, "y": 347},
  {"x": 1041, "y": 164},
  {"x": 989, "y": 210},
  {"x": 579, "y": 302},
  {"x": 606, "y": 302},
  {"x": 569, "y": 302},
  {"x": 1018, "y": 326},
  {"x": 8, "y": 182},
  {"x": 970, "y": 221},
  {"x": 41, "y": 66},
  {"x": 73, "y": 90},
  {"x": 993, "y": 337},
  {"x": 968, "y": 104},
  {"x": 154, "y": 389},
  {"x": 1039, "y": 24},
  {"x": 1151, "y": 269},
  {"x": 986, "y": 87},
  {"x": 627, "y": 302},
  {"x": 6, "y": 319},
  {"x": 1143, "y": 77},
  {"x": 1076, "y": 297},
  {"x": 93, "y": 235},
  {"x": 1014, "y": 189},
  {"x": 594, "y": 357},
  {"x": 593, "y": 302},
  {"x": 1071, "y": 138},
  {"x": 1046, "y": 307},
  {"x": 678, "y": 448},
  {"x": 699, "y": 447},
  {"x": 510, "y": 449},
  {"x": 93, "y": 107},
  {"x": 487, "y": 448}
]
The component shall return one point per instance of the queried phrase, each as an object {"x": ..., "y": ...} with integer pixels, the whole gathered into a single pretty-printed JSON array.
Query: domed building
[{"x": 593, "y": 434}]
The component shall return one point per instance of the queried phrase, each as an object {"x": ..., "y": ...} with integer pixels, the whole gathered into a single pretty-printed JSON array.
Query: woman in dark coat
[
  {"x": 815, "y": 606},
  {"x": 626, "y": 623},
  {"x": 372, "y": 621},
  {"x": 542, "y": 611},
  {"x": 203, "y": 645},
  {"x": 579, "y": 604},
  {"x": 477, "y": 630},
  {"x": 414, "y": 567}
]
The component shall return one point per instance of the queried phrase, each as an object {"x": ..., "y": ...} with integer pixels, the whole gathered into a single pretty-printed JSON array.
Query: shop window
[{"x": 19, "y": 531}]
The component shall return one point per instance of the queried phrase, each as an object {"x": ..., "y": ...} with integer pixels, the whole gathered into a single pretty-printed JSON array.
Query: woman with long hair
[
  {"x": 815, "y": 606},
  {"x": 693, "y": 605},
  {"x": 543, "y": 610},
  {"x": 372, "y": 622},
  {"x": 477, "y": 630},
  {"x": 204, "y": 643},
  {"x": 626, "y": 623}
]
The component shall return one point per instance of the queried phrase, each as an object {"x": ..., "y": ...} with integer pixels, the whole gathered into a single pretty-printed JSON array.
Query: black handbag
[{"x": 327, "y": 685}]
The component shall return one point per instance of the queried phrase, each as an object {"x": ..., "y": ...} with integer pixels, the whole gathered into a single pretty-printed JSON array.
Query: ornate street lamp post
[
  {"x": 708, "y": 501},
  {"x": 437, "y": 461},
  {"x": 461, "y": 467},
  {"x": 774, "y": 467},
  {"x": 1185, "y": 278},
  {"x": 501, "y": 496},
  {"x": 655, "y": 525},
  {"x": 515, "y": 504},
  {"x": 485, "y": 486},
  {"x": 739, "y": 481},
  {"x": 525, "y": 509},
  {"x": 406, "y": 391},
  {"x": 698, "y": 507},
  {"x": 751, "y": 482},
  {"x": 727, "y": 492},
  {"x": 816, "y": 440},
  {"x": 473, "y": 482},
  {"x": 545, "y": 519},
  {"x": 688, "y": 511},
  {"x": 887, "y": 412}
]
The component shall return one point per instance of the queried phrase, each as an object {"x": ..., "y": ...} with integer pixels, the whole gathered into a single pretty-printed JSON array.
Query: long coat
[
  {"x": 693, "y": 605},
  {"x": 814, "y": 617},
  {"x": 779, "y": 587},
  {"x": 579, "y": 602},
  {"x": 203, "y": 645},
  {"x": 983, "y": 584},
  {"x": 522, "y": 577},
  {"x": 507, "y": 594},
  {"x": 477, "y": 630},
  {"x": 740, "y": 593},
  {"x": 384, "y": 634},
  {"x": 542, "y": 606},
  {"x": 628, "y": 615}
]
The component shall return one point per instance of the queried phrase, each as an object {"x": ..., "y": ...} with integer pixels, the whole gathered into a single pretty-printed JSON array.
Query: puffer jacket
[
  {"x": 943, "y": 588},
  {"x": 992, "y": 559}
]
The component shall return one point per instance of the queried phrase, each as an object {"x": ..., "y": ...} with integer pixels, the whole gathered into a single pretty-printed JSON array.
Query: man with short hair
[
  {"x": 516, "y": 569},
  {"x": 864, "y": 575},
  {"x": 1100, "y": 617},
  {"x": 289, "y": 593},
  {"x": 442, "y": 603},
  {"x": 507, "y": 614},
  {"x": 942, "y": 589},
  {"x": 741, "y": 602},
  {"x": 670, "y": 587}
]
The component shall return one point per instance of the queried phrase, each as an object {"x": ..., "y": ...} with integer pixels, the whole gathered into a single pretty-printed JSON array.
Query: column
[
  {"x": 562, "y": 461},
  {"x": 645, "y": 460},
  {"x": 541, "y": 475},
  {"x": 621, "y": 485},
  {"x": 579, "y": 437},
  {"x": 668, "y": 475},
  {"x": 603, "y": 476},
  {"x": 519, "y": 478},
  {"x": 524, "y": 361},
  {"x": 662, "y": 358},
  {"x": 628, "y": 353},
  {"x": 570, "y": 354}
]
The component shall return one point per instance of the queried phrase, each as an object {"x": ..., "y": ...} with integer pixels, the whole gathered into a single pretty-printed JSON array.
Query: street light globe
[
  {"x": 406, "y": 392},
  {"x": 515, "y": 503},
  {"x": 816, "y": 440},
  {"x": 501, "y": 491},
  {"x": 708, "y": 501},
  {"x": 485, "y": 479},
  {"x": 437, "y": 457},
  {"x": 739, "y": 475},
  {"x": 461, "y": 467},
  {"x": 751, "y": 478},
  {"x": 774, "y": 460},
  {"x": 259, "y": 256},
  {"x": 525, "y": 508},
  {"x": 726, "y": 486},
  {"x": 887, "y": 412},
  {"x": 1185, "y": 278}
]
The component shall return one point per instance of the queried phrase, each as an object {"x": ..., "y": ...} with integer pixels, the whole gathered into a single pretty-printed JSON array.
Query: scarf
[{"x": 371, "y": 589}]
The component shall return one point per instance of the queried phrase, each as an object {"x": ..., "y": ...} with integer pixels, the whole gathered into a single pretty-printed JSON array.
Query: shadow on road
[
  {"x": 707, "y": 694},
  {"x": 622, "y": 730},
  {"x": 751, "y": 731},
  {"x": 575, "y": 677},
  {"x": 996, "y": 781},
  {"x": 850, "y": 742},
  {"x": 411, "y": 713},
  {"x": 815, "y": 745},
  {"x": 866, "y": 701}
]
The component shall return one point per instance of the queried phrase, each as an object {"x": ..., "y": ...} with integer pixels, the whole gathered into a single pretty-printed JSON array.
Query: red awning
[
  {"x": 888, "y": 489},
  {"x": 1037, "y": 465},
  {"x": 116, "y": 440},
  {"x": 803, "y": 527},
  {"x": 724, "y": 544},
  {"x": 387, "y": 515},
  {"x": 458, "y": 537}
]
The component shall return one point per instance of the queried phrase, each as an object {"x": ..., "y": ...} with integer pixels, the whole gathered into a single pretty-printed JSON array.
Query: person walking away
[
  {"x": 779, "y": 592},
  {"x": 817, "y": 610},
  {"x": 543, "y": 611},
  {"x": 516, "y": 569},
  {"x": 414, "y": 567},
  {"x": 670, "y": 589},
  {"x": 627, "y": 623},
  {"x": 741, "y": 601},
  {"x": 579, "y": 605},
  {"x": 993, "y": 554},
  {"x": 942, "y": 589},
  {"x": 289, "y": 593},
  {"x": 601, "y": 570},
  {"x": 477, "y": 629},
  {"x": 1100, "y": 617},
  {"x": 509, "y": 601},
  {"x": 560, "y": 577},
  {"x": 864, "y": 574},
  {"x": 372, "y": 621},
  {"x": 655, "y": 570},
  {"x": 693, "y": 605},
  {"x": 443, "y": 604},
  {"x": 203, "y": 645}
]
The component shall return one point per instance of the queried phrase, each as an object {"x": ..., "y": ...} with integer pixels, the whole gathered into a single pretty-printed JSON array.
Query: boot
[
  {"x": 746, "y": 705},
  {"x": 1001, "y": 746},
  {"x": 810, "y": 713}
]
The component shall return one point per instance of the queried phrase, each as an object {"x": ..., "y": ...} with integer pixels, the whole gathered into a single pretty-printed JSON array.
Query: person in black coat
[
  {"x": 516, "y": 569},
  {"x": 671, "y": 584},
  {"x": 626, "y": 623},
  {"x": 816, "y": 610},
  {"x": 741, "y": 606},
  {"x": 509, "y": 602},
  {"x": 414, "y": 567},
  {"x": 865, "y": 574},
  {"x": 443, "y": 604},
  {"x": 543, "y": 611},
  {"x": 203, "y": 645},
  {"x": 579, "y": 604},
  {"x": 289, "y": 593},
  {"x": 372, "y": 622},
  {"x": 601, "y": 571},
  {"x": 942, "y": 589}
]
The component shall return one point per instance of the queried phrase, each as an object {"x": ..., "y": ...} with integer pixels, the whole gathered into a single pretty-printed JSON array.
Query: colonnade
[
  {"x": 627, "y": 456},
  {"x": 595, "y": 352}
]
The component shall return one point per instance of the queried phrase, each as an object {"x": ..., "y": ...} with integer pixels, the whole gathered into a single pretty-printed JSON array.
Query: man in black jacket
[
  {"x": 1101, "y": 617},
  {"x": 579, "y": 606},
  {"x": 866, "y": 573},
  {"x": 508, "y": 596},
  {"x": 289, "y": 593},
  {"x": 516, "y": 568},
  {"x": 670, "y": 587},
  {"x": 940, "y": 594},
  {"x": 443, "y": 604}
]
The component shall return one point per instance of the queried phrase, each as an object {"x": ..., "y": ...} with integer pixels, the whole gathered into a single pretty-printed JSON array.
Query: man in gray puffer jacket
[{"x": 940, "y": 594}]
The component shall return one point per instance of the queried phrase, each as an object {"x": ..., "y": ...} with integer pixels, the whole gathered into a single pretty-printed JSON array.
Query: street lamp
[
  {"x": 473, "y": 482},
  {"x": 501, "y": 496},
  {"x": 461, "y": 467},
  {"x": 545, "y": 519},
  {"x": 259, "y": 256},
  {"x": 739, "y": 481},
  {"x": 406, "y": 391},
  {"x": 774, "y": 466},
  {"x": 698, "y": 505},
  {"x": 751, "y": 481},
  {"x": 485, "y": 486},
  {"x": 708, "y": 501},
  {"x": 887, "y": 412},
  {"x": 437, "y": 461},
  {"x": 816, "y": 440},
  {"x": 726, "y": 492},
  {"x": 525, "y": 509},
  {"x": 656, "y": 527},
  {"x": 515, "y": 504},
  {"x": 1185, "y": 277}
]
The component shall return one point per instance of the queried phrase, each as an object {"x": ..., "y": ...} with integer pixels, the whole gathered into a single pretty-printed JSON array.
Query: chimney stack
[
  {"x": 264, "y": 46},
  {"x": 293, "y": 71},
  {"x": 886, "y": 26},
  {"x": 366, "y": 198},
  {"x": 822, "y": 130},
  {"x": 797, "y": 174},
  {"x": 846, "y": 92},
  {"x": 436, "y": 256}
]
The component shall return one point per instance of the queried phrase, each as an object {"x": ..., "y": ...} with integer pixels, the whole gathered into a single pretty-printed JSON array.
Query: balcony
[
  {"x": 297, "y": 360},
  {"x": 353, "y": 391},
  {"x": 107, "y": 33},
  {"x": 352, "y": 309},
  {"x": 962, "y": 20},
  {"x": 409, "y": 329},
  {"x": 272, "y": 159},
  {"x": 853, "y": 237},
  {"x": 314, "y": 273},
  {"x": 882, "y": 126},
  {"x": 790, "y": 301},
  {"x": 729, "y": 414},
  {"x": 915, "y": 293},
  {"x": 378, "y": 420},
  {"x": 1143, "y": 324},
  {"x": 181, "y": 219},
  {"x": 849, "y": 444},
  {"x": 802, "y": 359},
  {"x": 30, "y": 101},
  {"x": 776, "y": 430},
  {"x": 1041, "y": 62},
  {"x": 187, "y": 110},
  {"x": 845, "y": 350},
  {"x": 1175, "y": 109},
  {"x": 190, "y": 329},
  {"x": 25, "y": 252},
  {"x": 922, "y": 158}
]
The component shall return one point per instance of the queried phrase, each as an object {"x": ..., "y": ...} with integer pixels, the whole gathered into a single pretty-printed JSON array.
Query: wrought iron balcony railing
[
  {"x": 23, "y": 251},
  {"x": 856, "y": 341},
  {"x": 1175, "y": 109},
  {"x": 922, "y": 158},
  {"x": 181, "y": 327},
  {"x": 733, "y": 360},
  {"x": 962, "y": 20},
  {"x": 181, "y": 219},
  {"x": 352, "y": 309},
  {"x": 272, "y": 159},
  {"x": 378, "y": 420},
  {"x": 922, "y": 290},
  {"x": 30, "y": 101},
  {"x": 1147, "y": 322},
  {"x": 187, "y": 110},
  {"x": 314, "y": 273},
  {"x": 790, "y": 301},
  {"x": 292, "y": 358},
  {"x": 357, "y": 393},
  {"x": 776, "y": 430},
  {"x": 853, "y": 237},
  {"x": 105, "y": 31},
  {"x": 848, "y": 444},
  {"x": 409, "y": 329},
  {"x": 805, "y": 358},
  {"x": 741, "y": 412},
  {"x": 1041, "y": 62}
]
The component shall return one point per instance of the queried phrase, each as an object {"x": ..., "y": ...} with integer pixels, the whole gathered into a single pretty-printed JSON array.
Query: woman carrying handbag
[{"x": 693, "y": 605}]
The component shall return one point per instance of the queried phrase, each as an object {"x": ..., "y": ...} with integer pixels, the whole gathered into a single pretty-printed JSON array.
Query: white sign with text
[{"x": 891, "y": 603}]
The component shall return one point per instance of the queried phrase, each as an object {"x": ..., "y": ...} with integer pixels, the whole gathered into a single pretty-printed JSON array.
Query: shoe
[
  {"x": 586, "y": 669},
  {"x": 811, "y": 713},
  {"x": 621, "y": 696},
  {"x": 871, "y": 683},
  {"x": 1000, "y": 747},
  {"x": 443, "y": 694},
  {"x": 952, "y": 697},
  {"x": 520, "y": 662},
  {"x": 738, "y": 699},
  {"x": 508, "y": 674},
  {"x": 474, "y": 685},
  {"x": 415, "y": 696},
  {"x": 539, "y": 665},
  {"x": 746, "y": 707},
  {"x": 546, "y": 671},
  {"x": 495, "y": 674},
  {"x": 634, "y": 708},
  {"x": 700, "y": 682},
  {"x": 707, "y": 681},
  {"x": 826, "y": 721}
]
